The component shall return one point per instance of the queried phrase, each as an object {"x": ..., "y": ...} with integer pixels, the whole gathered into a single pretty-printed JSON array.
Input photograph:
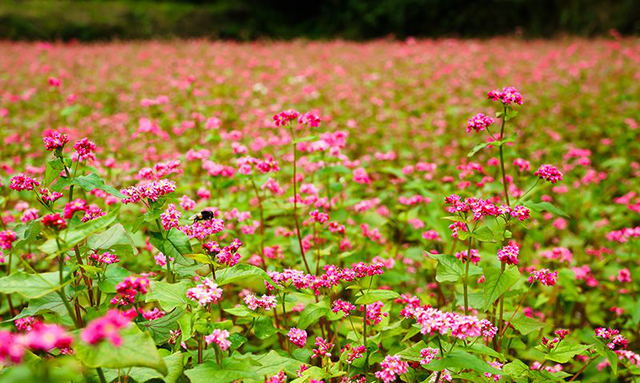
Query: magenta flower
[
  {"x": 22, "y": 182},
  {"x": 297, "y": 336},
  {"x": 549, "y": 173},
  {"x": 478, "y": 123},
  {"x": 219, "y": 337},
  {"x": 507, "y": 96},
  {"x": 106, "y": 327}
]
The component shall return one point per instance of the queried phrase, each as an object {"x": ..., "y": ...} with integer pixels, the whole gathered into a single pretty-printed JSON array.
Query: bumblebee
[{"x": 204, "y": 215}]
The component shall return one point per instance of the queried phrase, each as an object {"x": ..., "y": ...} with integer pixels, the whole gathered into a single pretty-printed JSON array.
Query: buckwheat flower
[
  {"x": 508, "y": 95},
  {"x": 522, "y": 165},
  {"x": 54, "y": 221},
  {"x": 280, "y": 377},
  {"x": 45, "y": 337},
  {"x": 205, "y": 293},
  {"x": 549, "y": 173},
  {"x": 521, "y": 213},
  {"x": 187, "y": 203},
  {"x": 344, "y": 306},
  {"x": 353, "y": 353},
  {"x": 464, "y": 257},
  {"x": 49, "y": 196},
  {"x": 151, "y": 190},
  {"x": 360, "y": 176},
  {"x": 170, "y": 217},
  {"x": 374, "y": 313},
  {"x": 22, "y": 182},
  {"x": 219, "y": 337},
  {"x": 284, "y": 117},
  {"x": 544, "y": 276},
  {"x": 85, "y": 148},
  {"x": 322, "y": 349},
  {"x": 266, "y": 302},
  {"x": 391, "y": 366},
  {"x": 509, "y": 254},
  {"x": 128, "y": 289},
  {"x": 297, "y": 336},
  {"x": 25, "y": 324},
  {"x": 478, "y": 123},
  {"x": 428, "y": 354},
  {"x": 309, "y": 119},
  {"x": 624, "y": 276},
  {"x": 70, "y": 208},
  {"x": 54, "y": 140},
  {"x": 91, "y": 212},
  {"x": 496, "y": 377},
  {"x": 153, "y": 314},
  {"x": 106, "y": 258},
  {"x": 55, "y": 82},
  {"x": 106, "y": 327},
  {"x": 12, "y": 348},
  {"x": 431, "y": 235},
  {"x": 456, "y": 227},
  {"x": 445, "y": 376},
  {"x": 161, "y": 259},
  {"x": 229, "y": 254},
  {"x": 7, "y": 237}
]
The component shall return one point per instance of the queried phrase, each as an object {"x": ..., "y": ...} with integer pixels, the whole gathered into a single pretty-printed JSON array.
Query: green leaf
[
  {"x": 241, "y": 272},
  {"x": 48, "y": 303},
  {"x": 54, "y": 167},
  {"x": 160, "y": 329},
  {"x": 72, "y": 236},
  {"x": 30, "y": 286},
  {"x": 516, "y": 369},
  {"x": 413, "y": 352},
  {"x": 498, "y": 282},
  {"x": 546, "y": 206},
  {"x": 114, "y": 275},
  {"x": 137, "y": 350},
  {"x": 168, "y": 295},
  {"x": 526, "y": 325},
  {"x": 174, "y": 246},
  {"x": 26, "y": 233},
  {"x": 478, "y": 148},
  {"x": 461, "y": 359},
  {"x": 375, "y": 296},
  {"x": 232, "y": 370},
  {"x": 311, "y": 314},
  {"x": 264, "y": 328},
  {"x": 484, "y": 234},
  {"x": 240, "y": 311},
  {"x": 111, "y": 238},
  {"x": 272, "y": 363},
  {"x": 564, "y": 352},
  {"x": 605, "y": 351},
  {"x": 93, "y": 181},
  {"x": 174, "y": 364},
  {"x": 449, "y": 268}
]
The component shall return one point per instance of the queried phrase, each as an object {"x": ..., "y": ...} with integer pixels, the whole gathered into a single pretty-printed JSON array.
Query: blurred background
[{"x": 94, "y": 20}]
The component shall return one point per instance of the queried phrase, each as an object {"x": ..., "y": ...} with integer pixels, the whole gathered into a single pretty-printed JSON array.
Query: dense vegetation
[
  {"x": 436, "y": 211},
  {"x": 286, "y": 19}
]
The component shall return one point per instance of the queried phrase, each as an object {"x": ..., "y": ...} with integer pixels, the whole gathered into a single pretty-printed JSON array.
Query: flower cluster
[
  {"x": 170, "y": 217},
  {"x": 266, "y": 302},
  {"x": 228, "y": 255},
  {"x": 509, "y": 254},
  {"x": 478, "y": 123},
  {"x": 84, "y": 149},
  {"x": 106, "y": 327},
  {"x": 544, "y": 276},
  {"x": 205, "y": 293},
  {"x": 508, "y": 95},
  {"x": 433, "y": 321},
  {"x": 22, "y": 182},
  {"x": 391, "y": 366},
  {"x": 128, "y": 290},
  {"x": 297, "y": 337},
  {"x": 150, "y": 190},
  {"x": 549, "y": 173},
  {"x": 219, "y": 337},
  {"x": 54, "y": 140}
]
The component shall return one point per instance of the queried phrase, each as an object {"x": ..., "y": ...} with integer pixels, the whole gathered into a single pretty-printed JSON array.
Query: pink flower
[
  {"x": 7, "y": 237},
  {"x": 54, "y": 221},
  {"x": 170, "y": 217},
  {"x": 11, "y": 347},
  {"x": 280, "y": 377},
  {"x": 322, "y": 349},
  {"x": 360, "y": 176},
  {"x": 345, "y": 307},
  {"x": 283, "y": 118},
  {"x": 128, "y": 289},
  {"x": 508, "y": 95},
  {"x": 205, "y": 293},
  {"x": 266, "y": 302},
  {"x": 22, "y": 182},
  {"x": 478, "y": 123},
  {"x": 152, "y": 190},
  {"x": 49, "y": 196},
  {"x": 106, "y": 327},
  {"x": 391, "y": 366},
  {"x": 187, "y": 203},
  {"x": 219, "y": 337},
  {"x": 54, "y": 140},
  {"x": 509, "y": 254},
  {"x": 544, "y": 276},
  {"x": 45, "y": 337},
  {"x": 85, "y": 148},
  {"x": 549, "y": 173},
  {"x": 521, "y": 213},
  {"x": 297, "y": 337},
  {"x": 464, "y": 257}
]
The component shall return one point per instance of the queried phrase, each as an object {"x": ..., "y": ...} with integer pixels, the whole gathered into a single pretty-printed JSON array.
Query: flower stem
[{"x": 295, "y": 201}]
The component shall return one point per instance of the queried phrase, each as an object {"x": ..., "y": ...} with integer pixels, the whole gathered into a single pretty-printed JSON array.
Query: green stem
[
  {"x": 295, "y": 201},
  {"x": 504, "y": 176},
  {"x": 101, "y": 375}
]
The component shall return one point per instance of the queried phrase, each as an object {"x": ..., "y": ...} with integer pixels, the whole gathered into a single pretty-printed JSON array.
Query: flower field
[{"x": 417, "y": 211}]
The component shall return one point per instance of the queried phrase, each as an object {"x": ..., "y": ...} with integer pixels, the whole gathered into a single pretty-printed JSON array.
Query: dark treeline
[{"x": 287, "y": 19}]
